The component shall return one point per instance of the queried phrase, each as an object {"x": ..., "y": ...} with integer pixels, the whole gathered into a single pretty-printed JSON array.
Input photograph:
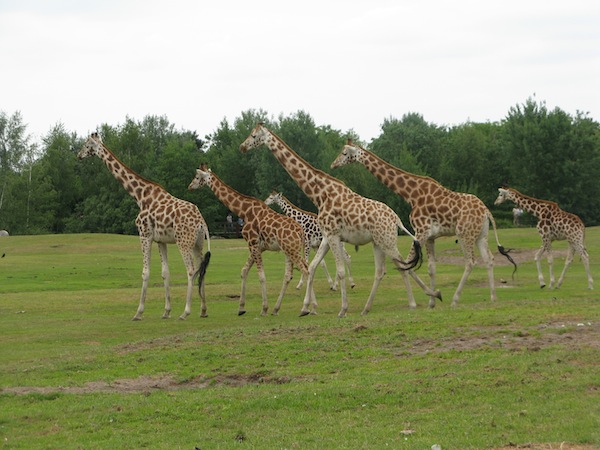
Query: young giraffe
[
  {"x": 312, "y": 233},
  {"x": 163, "y": 219},
  {"x": 553, "y": 224},
  {"x": 436, "y": 211},
  {"x": 264, "y": 229},
  {"x": 344, "y": 216}
]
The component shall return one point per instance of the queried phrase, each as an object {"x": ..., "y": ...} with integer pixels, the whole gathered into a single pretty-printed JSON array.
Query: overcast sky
[{"x": 349, "y": 64}]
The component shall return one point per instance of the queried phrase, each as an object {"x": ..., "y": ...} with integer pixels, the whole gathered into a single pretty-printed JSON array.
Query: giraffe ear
[{"x": 349, "y": 141}]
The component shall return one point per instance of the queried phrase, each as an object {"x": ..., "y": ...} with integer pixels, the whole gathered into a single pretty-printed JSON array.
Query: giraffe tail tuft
[
  {"x": 416, "y": 261},
  {"x": 202, "y": 269},
  {"x": 505, "y": 252}
]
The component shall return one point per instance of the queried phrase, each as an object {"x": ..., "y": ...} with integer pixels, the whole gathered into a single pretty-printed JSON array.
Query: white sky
[{"x": 348, "y": 63}]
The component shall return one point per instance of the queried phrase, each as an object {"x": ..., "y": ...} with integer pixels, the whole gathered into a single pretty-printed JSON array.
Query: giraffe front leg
[
  {"x": 146, "y": 253},
  {"x": 244, "y": 276},
  {"x": 309, "y": 296}
]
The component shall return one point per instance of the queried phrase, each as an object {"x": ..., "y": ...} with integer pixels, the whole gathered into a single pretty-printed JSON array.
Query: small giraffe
[
  {"x": 312, "y": 233},
  {"x": 163, "y": 219},
  {"x": 264, "y": 229},
  {"x": 344, "y": 216},
  {"x": 436, "y": 211},
  {"x": 554, "y": 224}
]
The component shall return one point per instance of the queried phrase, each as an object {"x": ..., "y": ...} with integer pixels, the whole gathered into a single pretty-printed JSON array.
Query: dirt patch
[
  {"x": 571, "y": 334},
  {"x": 148, "y": 384}
]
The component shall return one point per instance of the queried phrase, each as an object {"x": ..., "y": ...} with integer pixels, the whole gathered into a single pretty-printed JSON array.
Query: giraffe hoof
[
  {"x": 136, "y": 318},
  {"x": 542, "y": 286},
  {"x": 180, "y": 317},
  {"x": 241, "y": 313},
  {"x": 204, "y": 315},
  {"x": 304, "y": 313}
]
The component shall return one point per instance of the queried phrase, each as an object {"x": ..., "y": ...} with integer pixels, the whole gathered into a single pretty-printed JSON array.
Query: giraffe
[
  {"x": 264, "y": 229},
  {"x": 436, "y": 211},
  {"x": 312, "y": 233},
  {"x": 344, "y": 216},
  {"x": 554, "y": 224},
  {"x": 163, "y": 219}
]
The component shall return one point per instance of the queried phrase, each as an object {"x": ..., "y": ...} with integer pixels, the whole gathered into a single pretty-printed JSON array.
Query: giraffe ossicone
[
  {"x": 554, "y": 224},
  {"x": 344, "y": 216},
  {"x": 264, "y": 229},
  {"x": 163, "y": 219}
]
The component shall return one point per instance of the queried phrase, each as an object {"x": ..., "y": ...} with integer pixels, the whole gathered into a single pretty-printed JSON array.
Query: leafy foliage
[{"x": 546, "y": 154}]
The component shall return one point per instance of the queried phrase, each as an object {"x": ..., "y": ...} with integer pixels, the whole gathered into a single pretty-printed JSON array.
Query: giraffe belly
[
  {"x": 164, "y": 237},
  {"x": 356, "y": 237}
]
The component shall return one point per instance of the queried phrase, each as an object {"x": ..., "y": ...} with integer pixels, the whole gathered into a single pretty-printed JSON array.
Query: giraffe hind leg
[
  {"x": 568, "y": 261},
  {"x": 146, "y": 253}
]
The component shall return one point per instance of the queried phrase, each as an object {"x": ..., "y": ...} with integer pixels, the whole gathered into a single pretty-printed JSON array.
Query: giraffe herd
[{"x": 343, "y": 217}]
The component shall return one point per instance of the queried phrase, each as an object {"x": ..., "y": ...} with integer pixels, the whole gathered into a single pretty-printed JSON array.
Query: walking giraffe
[
  {"x": 163, "y": 219},
  {"x": 312, "y": 234},
  {"x": 264, "y": 229},
  {"x": 436, "y": 211},
  {"x": 344, "y": 216},
  {"x": 554, "y": 224}
]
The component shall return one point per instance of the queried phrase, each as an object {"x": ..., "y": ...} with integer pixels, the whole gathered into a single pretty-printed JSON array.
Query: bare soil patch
[{"x": 147, "y": 384}]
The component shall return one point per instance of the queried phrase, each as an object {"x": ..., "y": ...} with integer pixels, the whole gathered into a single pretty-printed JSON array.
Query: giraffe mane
[
  {"x": 321, "y": 172},
  {"x": 527, "y": 197},
  {"x": 422, "y": 177},
  {"x": 145, "y": 180}
]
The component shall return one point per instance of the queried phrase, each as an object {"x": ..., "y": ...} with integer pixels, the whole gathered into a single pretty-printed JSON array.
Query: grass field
[{"x": 76, "y": 372}]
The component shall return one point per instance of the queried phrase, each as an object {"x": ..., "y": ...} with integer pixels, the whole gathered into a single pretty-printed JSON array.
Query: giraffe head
[
  {"x": 504, "y": 194},
  {"x": 202, "y": 178},
  {"x": 273, "y": 198},
  {"x": 257, "y": 137},
  {"x": 91, "y": 147},
  {"x": 349, "y": 154}
]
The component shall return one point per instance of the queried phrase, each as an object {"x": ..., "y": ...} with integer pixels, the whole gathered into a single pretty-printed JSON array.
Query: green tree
[{"x": 554, "y": 156}]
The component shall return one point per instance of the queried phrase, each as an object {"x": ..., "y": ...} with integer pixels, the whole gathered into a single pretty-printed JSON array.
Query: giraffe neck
[
  {"x": 139, "y": 188},
  {"x": 289, "y": 209},
  {"x": 237, "y": 203},
  {"x": 316, "y": 184},
  {"x": 285, "y": 205},
  {"x": 405, "y": 184},
  {"x": 532, "y": 205}
]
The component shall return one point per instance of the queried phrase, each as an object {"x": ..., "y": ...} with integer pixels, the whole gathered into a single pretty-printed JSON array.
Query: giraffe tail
[
  {"x": 501, "y": 249},
  {"x": 202, "y": 270},
  {"x": 416, "y": 260}
]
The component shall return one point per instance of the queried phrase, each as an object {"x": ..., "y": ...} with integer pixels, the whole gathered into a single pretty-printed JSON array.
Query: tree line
[{"x": 547, "y": 154}]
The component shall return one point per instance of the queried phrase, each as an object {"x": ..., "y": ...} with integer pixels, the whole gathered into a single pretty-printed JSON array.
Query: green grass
[{"x": 76, "y": 372}]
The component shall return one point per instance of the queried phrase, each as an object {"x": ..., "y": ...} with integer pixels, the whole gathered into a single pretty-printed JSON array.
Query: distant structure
[{"x": 3, "y": 233}]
